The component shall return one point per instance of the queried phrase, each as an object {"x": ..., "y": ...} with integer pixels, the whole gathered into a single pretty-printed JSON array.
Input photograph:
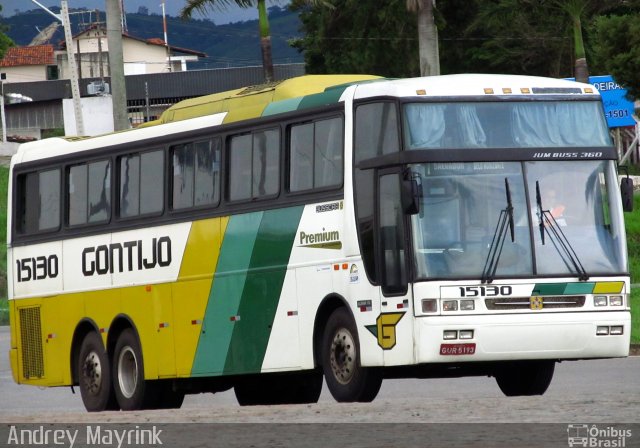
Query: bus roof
[
  {"x": 266, "y": 99},
  {"x": 301, "y": 93},
  {"x": 473, "y": 85}
]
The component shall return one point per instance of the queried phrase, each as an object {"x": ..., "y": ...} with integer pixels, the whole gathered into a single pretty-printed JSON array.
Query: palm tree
[
  {"x": 427, "y": 36},
  {"x": 575, "y": 9},
  {"x": 263, "y": 22}
]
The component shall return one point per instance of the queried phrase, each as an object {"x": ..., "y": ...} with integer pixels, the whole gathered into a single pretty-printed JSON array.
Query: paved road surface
[{"x": 582, "y": 391}]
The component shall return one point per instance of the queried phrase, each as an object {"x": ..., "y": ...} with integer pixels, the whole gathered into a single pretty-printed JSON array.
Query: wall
[
  {"x": 25, "y": 73},
  {"x": 97, "y": 113}
]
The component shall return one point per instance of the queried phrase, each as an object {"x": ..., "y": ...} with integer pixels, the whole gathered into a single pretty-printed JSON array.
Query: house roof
[{"x": 32, "y": 55}]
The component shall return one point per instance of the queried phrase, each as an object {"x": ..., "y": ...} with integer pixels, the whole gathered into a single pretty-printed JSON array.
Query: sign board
[{"x": 617, "y": 107}]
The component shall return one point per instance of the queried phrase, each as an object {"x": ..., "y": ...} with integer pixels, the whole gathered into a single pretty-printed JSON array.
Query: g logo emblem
[
  {"x": 536, "y": 303},
  {"x": 385, "y": 329}
]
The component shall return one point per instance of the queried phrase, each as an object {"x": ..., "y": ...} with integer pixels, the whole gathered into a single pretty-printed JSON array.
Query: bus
[{"x": 344, "y": 228}]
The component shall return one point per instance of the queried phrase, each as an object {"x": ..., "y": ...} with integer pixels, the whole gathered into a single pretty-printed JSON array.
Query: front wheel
[
  {"x": 525, "y": 378},
  {"x": 346, "y": 379}
]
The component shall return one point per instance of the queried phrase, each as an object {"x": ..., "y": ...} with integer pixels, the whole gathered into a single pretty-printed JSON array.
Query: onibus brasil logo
[{"x": 594, "y": 436}]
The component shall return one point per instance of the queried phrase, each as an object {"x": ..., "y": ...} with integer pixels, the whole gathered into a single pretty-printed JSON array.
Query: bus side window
[
  {"x": 89, "y": 193},
  {"x": 254, "y": 165},
  {"x": 39, "y": 201},
  {"x": 196, "y": 174},
  {"x": 316, "y": 155},
  {"x": 141, "y": 187}
]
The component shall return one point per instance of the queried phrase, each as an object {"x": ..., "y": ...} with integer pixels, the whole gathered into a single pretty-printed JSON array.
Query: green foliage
[
  {"x": 5, "y": 41},
  {"x": 632, "y": 223},
  {"x": 635, "y": 315},
  {"x": 359, "y": 36},
  {"x": 617, "y": 49}
]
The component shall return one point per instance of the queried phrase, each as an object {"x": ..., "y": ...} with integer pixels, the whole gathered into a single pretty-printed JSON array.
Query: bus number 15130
[{"x": 485, "y": 291}]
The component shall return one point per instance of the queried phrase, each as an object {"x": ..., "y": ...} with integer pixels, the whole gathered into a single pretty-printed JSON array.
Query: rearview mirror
[
  {"x": 410, "y": 196},
  {"x": 626, "y": 192}
]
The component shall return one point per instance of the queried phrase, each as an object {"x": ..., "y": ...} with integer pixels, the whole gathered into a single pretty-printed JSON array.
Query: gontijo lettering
[{"x": 128, "y": 256}]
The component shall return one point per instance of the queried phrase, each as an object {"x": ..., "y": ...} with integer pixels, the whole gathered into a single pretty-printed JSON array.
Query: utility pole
[
  {"x": 116, "y": 65},
  {"x": 73, "y": 72}
]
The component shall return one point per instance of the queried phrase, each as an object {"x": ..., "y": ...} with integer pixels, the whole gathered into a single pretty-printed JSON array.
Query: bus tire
[
  {"x": 94, "y": 375},
  {"x": 525, "y": 378},
  {"x": 132, "y": 391},
  {"x": 346, "y": 379}
]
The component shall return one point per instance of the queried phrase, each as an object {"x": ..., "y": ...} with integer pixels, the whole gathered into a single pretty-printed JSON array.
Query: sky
[{"x": 230, "y": 14}]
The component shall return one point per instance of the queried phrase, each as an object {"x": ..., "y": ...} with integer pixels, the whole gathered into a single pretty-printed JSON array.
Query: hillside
[{"x": 234, "y": 44}]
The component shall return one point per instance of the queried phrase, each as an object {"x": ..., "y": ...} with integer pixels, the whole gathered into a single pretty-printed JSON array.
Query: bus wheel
[
  {"x": 94, "y": 375},
  {"x": 525, "y": 378},
  {"x": 347, "y": 380},
  {"x": 132, "y": 391}
]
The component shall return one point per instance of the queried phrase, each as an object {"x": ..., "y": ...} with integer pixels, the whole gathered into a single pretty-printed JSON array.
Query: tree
[
  {"x": 263, "y": 23},
  {"x": 427, "y": 36},
  {"x": 575, "y": 9},
  {"x": 618, "y": 49},
  {"x": 5, "y": 41},
  {"x": 358, "y": 36},
  {"x": 520, "y": 37}
]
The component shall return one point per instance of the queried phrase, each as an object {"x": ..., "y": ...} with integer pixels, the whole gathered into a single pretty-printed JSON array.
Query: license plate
[{"x": 457, "y": 349}]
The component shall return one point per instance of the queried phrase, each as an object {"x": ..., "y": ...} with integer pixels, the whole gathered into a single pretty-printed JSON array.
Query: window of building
[
  {"x": 254, "y": 165},
  {"x": 141, "y": 184},
  {"x": 52, "y": 72},
  {"x": 316, "y": 155}
]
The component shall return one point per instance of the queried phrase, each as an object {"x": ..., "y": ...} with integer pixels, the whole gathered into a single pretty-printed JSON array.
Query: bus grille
[
  {"x": 524, "y": 303},
  {"x": 31, "y": 337}
]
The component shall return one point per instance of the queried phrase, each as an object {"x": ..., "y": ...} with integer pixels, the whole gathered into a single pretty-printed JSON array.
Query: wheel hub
[
  {"x": 127, "y": 372},
  {"x": 92, "y": 373},
  {"x": 343, "y": 356}
]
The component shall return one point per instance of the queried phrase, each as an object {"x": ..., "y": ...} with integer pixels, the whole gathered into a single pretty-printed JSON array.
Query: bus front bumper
[{"x": 522, "y": 336}]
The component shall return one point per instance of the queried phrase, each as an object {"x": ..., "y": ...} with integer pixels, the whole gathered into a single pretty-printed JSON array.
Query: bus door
[{"x": 395, "y": 323}]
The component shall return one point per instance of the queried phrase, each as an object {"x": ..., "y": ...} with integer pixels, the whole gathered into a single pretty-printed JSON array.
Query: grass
[{"x": 632, "y": 222}]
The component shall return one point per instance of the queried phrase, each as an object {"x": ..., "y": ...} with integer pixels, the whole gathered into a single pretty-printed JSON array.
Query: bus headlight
[
  {"x": 450, "y": 305},
  {"x": 449, "y": 335},
  {"x": 429, "y": 305},
  {"x": 467, "y": 305},
  {"x": 600, "y": 301},
  {"x": 616, "y": 330},
  {"x": 615, "y": 300}
]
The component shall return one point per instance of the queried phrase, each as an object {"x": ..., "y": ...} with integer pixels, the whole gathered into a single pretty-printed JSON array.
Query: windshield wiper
[
  {"x": 505, "y": 221},
  {"x": 548, "y": 224}
]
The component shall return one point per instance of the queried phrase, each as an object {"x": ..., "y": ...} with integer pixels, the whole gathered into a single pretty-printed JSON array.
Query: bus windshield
[
  {"x": 462, "y": 203},
  {"x": 540, "y": 124}
]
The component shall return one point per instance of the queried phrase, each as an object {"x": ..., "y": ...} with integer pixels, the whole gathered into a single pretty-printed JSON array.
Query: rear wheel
[
  {"x": 94, "y": 375},
  {"x": 525, "y": 378},
  {"x": 132, "y": 391},
  {"x": 346, "y": 379}
]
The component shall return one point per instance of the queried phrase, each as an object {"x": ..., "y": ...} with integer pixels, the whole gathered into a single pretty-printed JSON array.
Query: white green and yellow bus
[{"x": 350, "y": 228}]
